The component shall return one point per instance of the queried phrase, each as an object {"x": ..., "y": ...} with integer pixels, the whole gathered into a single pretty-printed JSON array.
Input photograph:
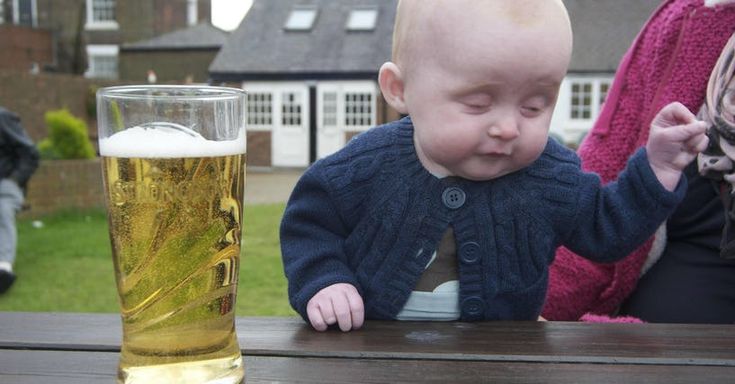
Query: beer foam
[{"x": 166, "y": 143}]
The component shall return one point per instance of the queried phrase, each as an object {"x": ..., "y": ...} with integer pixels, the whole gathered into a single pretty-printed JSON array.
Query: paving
[{"x": 270, "y": 186}]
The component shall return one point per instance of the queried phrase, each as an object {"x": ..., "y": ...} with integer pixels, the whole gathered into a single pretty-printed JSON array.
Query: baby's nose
[{"x": 504, "y": 128}]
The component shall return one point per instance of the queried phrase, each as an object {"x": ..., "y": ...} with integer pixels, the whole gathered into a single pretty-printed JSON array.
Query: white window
[
  {"x": 329, "y": 109},
  {"x": 362, "y": 19},
  {"x": 581, "y": 101},
  {"x": 260, "y": 109},
  {"x": 192, "y": 16},
  {"x": 301, "y": 19},
  {"x": 101, "y": 14},
  {"x": 24, "y": 13},
  {"x": 587, "y": 96},
  {"x": 102, "y": 61},
  {"x": 358, "y": 109},
  {"x": 2, "y": 12},
  {"x": 291, "y": 108},
  {"x": 604, "y": 88}
]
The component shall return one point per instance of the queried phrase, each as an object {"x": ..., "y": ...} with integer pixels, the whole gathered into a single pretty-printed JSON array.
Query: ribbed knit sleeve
[
  {"x": 636, "y": 198},
  {"x": 312, "y": 237},
  {"x": 325, "y": 206}
]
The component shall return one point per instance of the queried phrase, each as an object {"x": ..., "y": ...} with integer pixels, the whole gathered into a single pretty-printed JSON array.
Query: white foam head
[{"x": 163, "y": 142}]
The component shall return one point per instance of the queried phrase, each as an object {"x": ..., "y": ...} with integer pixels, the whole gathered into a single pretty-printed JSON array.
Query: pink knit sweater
[{"x": 670, "y": 60}]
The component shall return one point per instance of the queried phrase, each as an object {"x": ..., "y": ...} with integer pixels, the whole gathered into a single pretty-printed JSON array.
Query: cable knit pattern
[
  {"x": 372, "y": 216},
  {"x": 670, "y": 60}
]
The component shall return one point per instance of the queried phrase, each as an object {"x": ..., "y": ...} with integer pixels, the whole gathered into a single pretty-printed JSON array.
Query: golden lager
[{"x": 175, "y": 225}]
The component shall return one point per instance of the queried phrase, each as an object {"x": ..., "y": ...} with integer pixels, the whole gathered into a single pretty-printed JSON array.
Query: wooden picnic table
[{"x": 83, "y": 348}]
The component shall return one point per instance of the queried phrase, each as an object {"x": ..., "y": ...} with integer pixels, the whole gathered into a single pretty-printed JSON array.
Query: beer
[{"x": 175, "y": 214}]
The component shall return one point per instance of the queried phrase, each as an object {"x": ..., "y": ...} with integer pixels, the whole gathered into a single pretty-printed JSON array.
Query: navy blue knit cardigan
[{"x": 370, "y": 215}]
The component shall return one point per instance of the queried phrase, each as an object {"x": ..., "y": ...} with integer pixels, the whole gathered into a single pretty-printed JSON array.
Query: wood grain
[{"x": 83, "y": 348}]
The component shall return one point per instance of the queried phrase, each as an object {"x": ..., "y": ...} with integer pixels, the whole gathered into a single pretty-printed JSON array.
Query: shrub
[
  {"x": 68, "y": 137},
  {"x": 90, "y": 101}
]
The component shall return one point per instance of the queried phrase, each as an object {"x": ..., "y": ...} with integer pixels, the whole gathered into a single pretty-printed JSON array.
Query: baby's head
[{"x": 479, "y": 79}]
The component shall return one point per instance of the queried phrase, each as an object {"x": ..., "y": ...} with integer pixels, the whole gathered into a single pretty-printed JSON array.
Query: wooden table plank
[
  {"x": 63, "y": 367},
  {"x": 552, "y": 342}
]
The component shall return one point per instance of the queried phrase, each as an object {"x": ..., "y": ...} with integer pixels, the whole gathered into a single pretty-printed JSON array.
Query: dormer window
[
  {"x": 301, "y": 19},
  {"x": 362, "y": 20}
]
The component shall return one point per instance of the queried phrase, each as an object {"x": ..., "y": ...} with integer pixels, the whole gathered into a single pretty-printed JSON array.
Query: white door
[
  {"x": 291, "y": 129},
  {"x": 342, "y": 107},
  {"x": 330, "y": 137}
]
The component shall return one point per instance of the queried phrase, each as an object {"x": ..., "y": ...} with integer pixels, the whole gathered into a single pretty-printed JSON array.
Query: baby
[{"x": 455, "y": 212}]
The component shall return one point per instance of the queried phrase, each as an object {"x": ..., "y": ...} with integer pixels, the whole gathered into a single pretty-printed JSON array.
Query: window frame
[
  {"x": 599, "y": 87},
  {"x": 34, "y": 13},
  {"x": 192, "y": 12},
  {"x": 289, "y": 26},
  {"x": 358, "y": 110},
  {"x": 102, "y": 50},
  {"x": 260, "y": 109},
  {"x": 93, "y": 24},
  {"x": 352, "y": 25}
]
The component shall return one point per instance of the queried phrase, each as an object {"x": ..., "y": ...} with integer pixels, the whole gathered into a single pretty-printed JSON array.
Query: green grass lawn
[{"x": 66, "y": 265}]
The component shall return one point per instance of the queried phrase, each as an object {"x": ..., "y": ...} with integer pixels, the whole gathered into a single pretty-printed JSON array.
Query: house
[
  {"x": 603, "y": 31},
  {"x": 88, "y": 33},
  {"x": 181, "y": 56},
  {"x": 310, "y": 69}
]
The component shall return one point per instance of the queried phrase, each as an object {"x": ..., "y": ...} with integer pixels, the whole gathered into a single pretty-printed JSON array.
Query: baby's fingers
[
  {"x": 357, "y": 308},
  {"x": 314, "y": 311},
  {"x": 342, "y": 312},
  {"x": 674, "y": 113},
  {"x": 696, "y": 143}
]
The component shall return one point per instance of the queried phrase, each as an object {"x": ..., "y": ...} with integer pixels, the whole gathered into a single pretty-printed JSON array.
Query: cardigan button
[
  {"x": 453, "y": 197},
  {"x": 469, "y": 252},
  {"x": 473, "y": 307}
]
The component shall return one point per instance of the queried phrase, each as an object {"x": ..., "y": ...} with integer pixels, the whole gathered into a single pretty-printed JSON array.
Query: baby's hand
[
  {"x": 675, "y": 138},
  {"x": 337, "y": 303}
]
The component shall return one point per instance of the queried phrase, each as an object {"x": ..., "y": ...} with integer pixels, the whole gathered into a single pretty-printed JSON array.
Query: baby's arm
[
  {"x": 675, "y": 138},
  {"x": 336, "y": 304},
  {"x": 312, "y": 237}
]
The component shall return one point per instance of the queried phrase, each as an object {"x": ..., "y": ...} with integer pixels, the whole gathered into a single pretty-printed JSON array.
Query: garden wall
[
  {"x": 65, "y": 185},
  {"x": 31, "y": 96}
]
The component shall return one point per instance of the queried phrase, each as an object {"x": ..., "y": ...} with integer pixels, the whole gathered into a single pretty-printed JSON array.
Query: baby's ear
[{"x": 391, "y": 85}]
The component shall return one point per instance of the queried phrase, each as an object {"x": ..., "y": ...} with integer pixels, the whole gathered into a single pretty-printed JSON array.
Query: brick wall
[
  {"x": 23, "y": 46},
  {"x": 31, "y": 96},
  {"x": 65, "y": 184},
  {"x": 259, "y": 149}
]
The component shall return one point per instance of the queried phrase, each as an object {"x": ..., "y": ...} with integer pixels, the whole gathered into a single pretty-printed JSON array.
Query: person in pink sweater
[{"x": 670, "y": 60}]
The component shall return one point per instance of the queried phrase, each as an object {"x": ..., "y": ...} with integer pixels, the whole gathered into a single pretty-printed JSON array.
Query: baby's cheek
[{"x": 530, "y": 150}]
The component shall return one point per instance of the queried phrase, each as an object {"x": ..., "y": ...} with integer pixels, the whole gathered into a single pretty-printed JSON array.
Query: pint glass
[{"x": 174, "y": 172}]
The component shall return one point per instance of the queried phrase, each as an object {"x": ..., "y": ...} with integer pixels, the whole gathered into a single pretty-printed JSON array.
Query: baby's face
[{"x": 482, "y": 94}]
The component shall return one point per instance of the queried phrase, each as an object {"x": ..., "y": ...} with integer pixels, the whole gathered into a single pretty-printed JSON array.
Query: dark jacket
[
  {"x": 371, "y": 215},
  {"x": 18, "y": 155}
]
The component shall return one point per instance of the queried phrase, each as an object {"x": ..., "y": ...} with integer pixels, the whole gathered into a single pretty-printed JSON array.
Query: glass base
[{"x": 215, "y": 371}]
